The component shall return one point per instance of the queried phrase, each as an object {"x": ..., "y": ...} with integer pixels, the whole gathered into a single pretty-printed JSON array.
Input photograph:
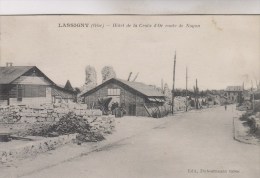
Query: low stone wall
[
  {"x": 25, "y": 120},
  {"x": 34, "y": 147},
  {"x": 43, "y": 113}
]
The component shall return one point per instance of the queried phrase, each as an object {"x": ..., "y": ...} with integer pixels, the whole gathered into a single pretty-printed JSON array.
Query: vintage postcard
[{"x": 138, "y": 96}]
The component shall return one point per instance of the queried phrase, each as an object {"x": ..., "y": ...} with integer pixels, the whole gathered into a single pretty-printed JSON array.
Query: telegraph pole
[
  {"x": 174, "y": 65},
  {"x": 253, "y": 96},
  {"x": 162, "y": 84},
  {"x": 186, "y": 89},
  {"x": 196, "y": 94}
]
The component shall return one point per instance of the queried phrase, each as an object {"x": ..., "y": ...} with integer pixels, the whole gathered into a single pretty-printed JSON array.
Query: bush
[
  {"x": 245, "y": 116},
  {"x": 257, "y": 106}
]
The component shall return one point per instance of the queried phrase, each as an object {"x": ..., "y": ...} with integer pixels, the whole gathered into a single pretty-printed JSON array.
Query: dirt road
[{"x": 194, "y": 144}]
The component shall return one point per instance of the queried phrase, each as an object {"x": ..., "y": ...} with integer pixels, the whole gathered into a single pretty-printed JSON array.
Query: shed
[{"x": 134, "y": 97}]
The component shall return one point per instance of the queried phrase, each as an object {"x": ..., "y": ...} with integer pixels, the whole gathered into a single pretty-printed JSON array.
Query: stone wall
[
  {"x": 22, "y": 120},
  {"x": 43, "y": 113},
  {"x": 34, "y": 148}
]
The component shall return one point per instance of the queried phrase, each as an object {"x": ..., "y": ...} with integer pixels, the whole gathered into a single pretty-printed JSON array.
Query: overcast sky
[{"x": 223, "y": 51}]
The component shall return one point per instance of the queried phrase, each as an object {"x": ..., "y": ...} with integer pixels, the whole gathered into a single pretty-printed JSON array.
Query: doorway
[{"x": 132, "y": 110}]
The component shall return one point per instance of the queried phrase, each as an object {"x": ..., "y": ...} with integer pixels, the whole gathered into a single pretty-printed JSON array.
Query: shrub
[{"x": 245, "y": 116}]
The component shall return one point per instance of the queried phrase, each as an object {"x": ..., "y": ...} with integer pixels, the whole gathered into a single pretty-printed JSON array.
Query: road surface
[{"x": 193, "y": 144}]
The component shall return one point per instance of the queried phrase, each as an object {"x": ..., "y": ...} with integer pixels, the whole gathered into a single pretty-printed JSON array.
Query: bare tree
[
  {"x": 90, "y": 79},
  {"x": 167, "y": 92},
  {"x": 108, "y": 73}
]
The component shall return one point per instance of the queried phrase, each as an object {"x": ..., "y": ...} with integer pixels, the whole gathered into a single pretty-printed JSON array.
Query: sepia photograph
[{"x": 130, "y": 96}]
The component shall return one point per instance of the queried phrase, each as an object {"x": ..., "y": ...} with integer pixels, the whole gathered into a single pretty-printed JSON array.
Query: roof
[
  {"x": 68, "y": 86},
  {"x": 142, "y": 88},
  {"x": 63, "y": 88},
  {"x": 9, "y": 74},
  {"x": 146, "y": 90},
  {"x": 234, "y": 88}
]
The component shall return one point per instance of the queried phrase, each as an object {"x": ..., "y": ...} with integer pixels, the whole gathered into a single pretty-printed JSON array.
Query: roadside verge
[
  {"x": 241, "y": 132},
  {"x": 126, "y": 128}
]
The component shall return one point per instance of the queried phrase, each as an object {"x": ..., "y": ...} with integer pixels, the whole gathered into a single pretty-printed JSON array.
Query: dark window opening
[{"x": 19, "y": 93}]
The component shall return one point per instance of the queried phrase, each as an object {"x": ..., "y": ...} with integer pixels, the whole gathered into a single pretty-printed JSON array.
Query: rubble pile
[
  {"x": 8, "y": 114},
  {"x": 89, "y": 129},
  {"x": 180, "y": 103}
]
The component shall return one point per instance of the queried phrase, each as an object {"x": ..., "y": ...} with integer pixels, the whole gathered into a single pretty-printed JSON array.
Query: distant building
[
  {"x": 134, "y": 96},
  {"x": 21, "y": 85},
  {"x": 213, "y": 99},
  {"x": 234, "y": 93}
]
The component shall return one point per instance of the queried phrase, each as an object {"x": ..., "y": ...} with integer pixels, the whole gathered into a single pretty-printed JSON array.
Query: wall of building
[
  {"x": 233, "y": 96},
  {"x": 30, "y": 100},
  {"x": 31, "y": 80},
  {"x": 62, "y": 96},
  {"x": 3, "y": 102}
]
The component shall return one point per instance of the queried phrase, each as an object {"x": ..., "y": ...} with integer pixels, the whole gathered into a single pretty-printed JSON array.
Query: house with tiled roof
[
  {"x": 136, "y": 97},
  {"x": 20, "y": 85}
]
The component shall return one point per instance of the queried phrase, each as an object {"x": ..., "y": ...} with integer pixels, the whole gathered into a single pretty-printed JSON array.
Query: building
[
  {"x": 234, "y": 94},
  {"x": 20, "y": 85},
  {"x": 134, "y": 97}
]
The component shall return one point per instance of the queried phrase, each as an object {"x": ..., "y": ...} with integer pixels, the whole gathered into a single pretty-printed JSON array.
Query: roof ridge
[{"x": 134, "y": 82}]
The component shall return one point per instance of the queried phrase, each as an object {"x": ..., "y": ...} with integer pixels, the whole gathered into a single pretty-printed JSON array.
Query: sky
[{"x": 222, "y": 51}]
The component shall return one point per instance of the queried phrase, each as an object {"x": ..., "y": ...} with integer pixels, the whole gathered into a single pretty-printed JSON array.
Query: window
[{"x": 113, "y": 92}]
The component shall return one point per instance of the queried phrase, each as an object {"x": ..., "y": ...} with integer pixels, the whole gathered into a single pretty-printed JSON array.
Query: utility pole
[
  {"x": 253, "y": 96},
  {"x": 196, "y": 94},
  {"x": 186, "y": 89},
  {"x": 162, "y": 85},
  {"x": 174, "y": 65}
]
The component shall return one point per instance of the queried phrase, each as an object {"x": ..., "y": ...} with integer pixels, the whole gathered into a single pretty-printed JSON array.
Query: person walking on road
[{"x": 225, "y": 107}]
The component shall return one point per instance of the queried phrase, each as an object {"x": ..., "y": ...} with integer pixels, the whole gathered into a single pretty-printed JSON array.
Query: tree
[
  {"x": 167, "y": 92},
  {"x": 77, "y": 90},
  {"x": 107, "y": 73},
  {"x": 90, "y": 79}
]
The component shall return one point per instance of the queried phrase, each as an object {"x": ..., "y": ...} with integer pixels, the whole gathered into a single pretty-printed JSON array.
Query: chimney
[{"x": 9, "y": 64}]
